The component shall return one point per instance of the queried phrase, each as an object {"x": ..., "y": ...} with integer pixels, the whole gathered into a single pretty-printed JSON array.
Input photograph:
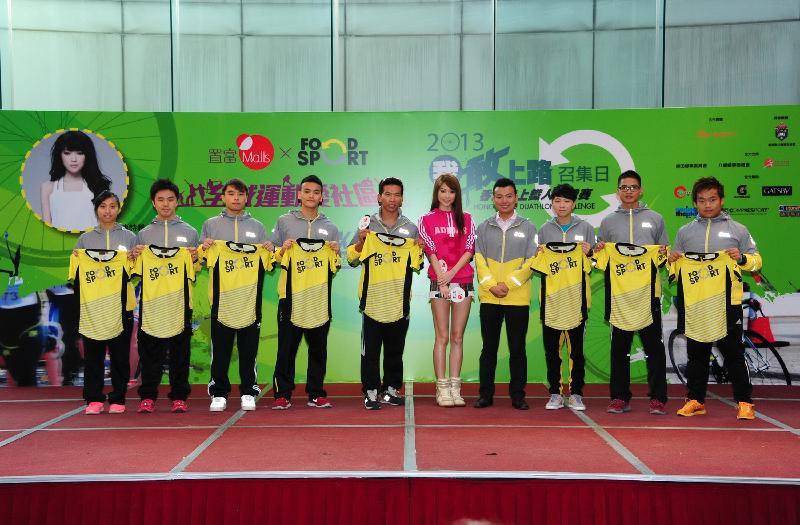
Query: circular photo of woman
[{"x": 64, "y": 171}]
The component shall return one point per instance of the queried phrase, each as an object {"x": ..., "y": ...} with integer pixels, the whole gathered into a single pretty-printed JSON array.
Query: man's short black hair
[
  {"x": 630, "y": 174},
  {"x": 565, "y": 191},
  {"x": 504, "y": 182},
  {"x": 164, "y": 184},
  {"x": 236, "y": 184},
  {"x": 390, "y": 181},
  {"x": 311, "y": 178},
  {"x": 707, "y": 183}
]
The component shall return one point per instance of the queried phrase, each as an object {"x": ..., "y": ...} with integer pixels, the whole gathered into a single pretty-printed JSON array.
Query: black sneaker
[
  {"x": 484, "y": 402},
  {"x": 391, "y": 396},
  {"x": 371, "y": 400},
  {"x": 520, "y": 404}
]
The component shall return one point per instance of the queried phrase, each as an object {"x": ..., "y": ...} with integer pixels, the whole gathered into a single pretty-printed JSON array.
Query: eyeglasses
[{"x": 626, "y": 187}]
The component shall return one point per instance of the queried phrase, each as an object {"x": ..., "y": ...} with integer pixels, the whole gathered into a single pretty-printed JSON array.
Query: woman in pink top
[{"x": 449, "y": 237}]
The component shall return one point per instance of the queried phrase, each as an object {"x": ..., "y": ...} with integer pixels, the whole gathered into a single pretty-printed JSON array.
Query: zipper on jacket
[
  {"x": 563, "y": 231},
  {"x": 708, "y": 232},
  {"x": 165, "y": 235},
  {"x": 630, "y": 224},
  {"x": 310, "y": 222}
]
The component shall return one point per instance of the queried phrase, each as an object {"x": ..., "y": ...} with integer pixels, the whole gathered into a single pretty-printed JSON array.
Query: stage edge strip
[{"x": 301, "y": 474}]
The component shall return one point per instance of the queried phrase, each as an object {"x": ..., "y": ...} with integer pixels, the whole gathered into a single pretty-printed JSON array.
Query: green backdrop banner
[{"x": 752, "y": 150}]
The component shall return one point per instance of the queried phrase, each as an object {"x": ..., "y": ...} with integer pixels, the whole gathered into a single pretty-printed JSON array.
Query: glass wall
[{"x": 396, "y": 55}]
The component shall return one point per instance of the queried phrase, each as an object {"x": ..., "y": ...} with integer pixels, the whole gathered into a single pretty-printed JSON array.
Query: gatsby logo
[{"x": 255, "y": 151}]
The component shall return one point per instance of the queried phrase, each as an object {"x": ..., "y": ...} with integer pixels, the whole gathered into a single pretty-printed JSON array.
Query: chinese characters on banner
[{"x": 209, "y": 194}]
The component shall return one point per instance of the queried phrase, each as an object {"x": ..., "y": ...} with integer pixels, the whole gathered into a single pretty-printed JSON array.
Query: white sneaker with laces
[
  {"x": 555, "y": 402},
  {"x": 218, "y": 404},
  {"x": 248, "y": 403},
  {"x": 576, "y": 402}
]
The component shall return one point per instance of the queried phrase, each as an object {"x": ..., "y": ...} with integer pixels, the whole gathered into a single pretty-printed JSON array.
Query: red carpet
[{"x": 414, "y": 464}]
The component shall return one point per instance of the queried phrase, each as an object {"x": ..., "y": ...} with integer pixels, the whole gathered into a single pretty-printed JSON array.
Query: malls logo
[
  {"x": 781, "y": 131},
  {"x": 776, "y": 191},
  {"x": 789, "y": 210},
  {"x": 255, "y": 151},
  {"x": 680, "y": 192}
]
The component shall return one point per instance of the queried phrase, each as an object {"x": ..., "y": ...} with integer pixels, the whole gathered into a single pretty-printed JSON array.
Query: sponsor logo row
[
  {"x": 258, "y": 152},
  {"x": 742, "y": 191}
]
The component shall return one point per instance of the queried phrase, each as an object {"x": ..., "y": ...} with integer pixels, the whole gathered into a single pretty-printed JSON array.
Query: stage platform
[{"x": 414, "y": 464}]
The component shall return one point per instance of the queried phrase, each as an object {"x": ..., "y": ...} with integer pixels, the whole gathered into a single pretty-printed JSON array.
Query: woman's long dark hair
[
  {"x": 78, "y": 141},
  {"x": 451, "y": 182}
]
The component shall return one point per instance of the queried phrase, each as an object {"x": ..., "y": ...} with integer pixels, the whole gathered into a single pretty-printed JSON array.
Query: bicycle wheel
[
  {"x": 676, "y": 345},
  {"x": 764, "y": 362},
  {"x": 717, "y": 373}
]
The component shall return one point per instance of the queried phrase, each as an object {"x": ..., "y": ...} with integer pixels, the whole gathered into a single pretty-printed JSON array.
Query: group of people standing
[{"x": 631, "y": 247}]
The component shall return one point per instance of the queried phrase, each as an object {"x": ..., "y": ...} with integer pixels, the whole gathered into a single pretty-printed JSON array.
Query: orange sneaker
[
  {"x": 692, "y": 408},
  {"x": 746, "y": 411}
]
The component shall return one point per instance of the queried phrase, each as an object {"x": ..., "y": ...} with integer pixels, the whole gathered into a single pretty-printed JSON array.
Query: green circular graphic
[{"x": 139, "y": 137}]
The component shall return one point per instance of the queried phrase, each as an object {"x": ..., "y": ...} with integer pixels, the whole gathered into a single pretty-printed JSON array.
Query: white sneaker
[
  {"x": 555, "y": 402},
  {"x": 248, "y": 403},
  {"x": 576, "y": 402},
  {"x": 218, "y": 404}
]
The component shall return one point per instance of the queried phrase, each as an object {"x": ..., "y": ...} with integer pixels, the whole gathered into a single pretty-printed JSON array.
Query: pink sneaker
[
  {"x": 320, "y": 402},
  {"x": 94, "y": 408},
  {"x": 179, "y": 406},
  {"x": 146, "y": 406},
  {"x": 116, "y": 408}
]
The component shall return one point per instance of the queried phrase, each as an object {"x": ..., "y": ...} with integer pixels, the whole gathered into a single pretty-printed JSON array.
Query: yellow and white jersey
[
  {"x": 387, "y": 263},
  {"x": 308, "y": 269},
  {"x": 101, "y": 279},
  {"x": 166, "y": 301},
  {"x": 236, "y": 278},
  {"x": 632, "y": 281},
  {"x": 708, "y": 285},
  {"x": 565, "y": 294}
]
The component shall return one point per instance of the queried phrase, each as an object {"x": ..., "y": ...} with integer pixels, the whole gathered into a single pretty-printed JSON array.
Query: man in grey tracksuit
[
  {"x": 234, "y": 224},
  {"x": 565, "y": 227},
  {"x": 167, "y": 231},
  {"x": 713, "y": 230},
  {"x": 634, "y": 223},
  {"x": 375, "y": 334},
  {"x": 305, "y": 223}
]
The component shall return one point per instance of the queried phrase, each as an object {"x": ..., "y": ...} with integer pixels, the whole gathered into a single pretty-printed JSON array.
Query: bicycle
[{"x": 763, "y": 361}]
